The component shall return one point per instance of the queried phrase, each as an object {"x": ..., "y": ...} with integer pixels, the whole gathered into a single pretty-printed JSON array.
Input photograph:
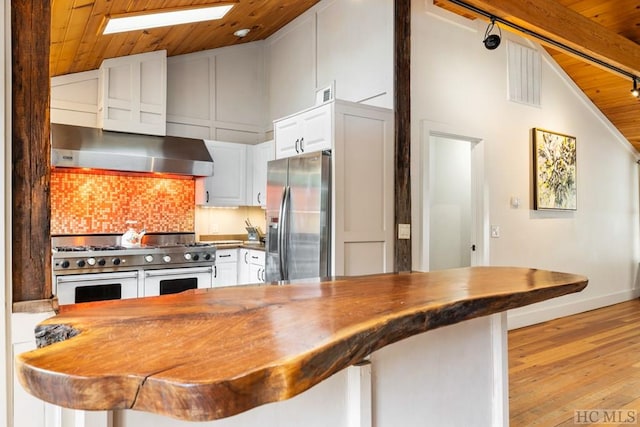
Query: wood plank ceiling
[
  {"x": 76, "y": 44},
  {"x": 609, "y": 91}
]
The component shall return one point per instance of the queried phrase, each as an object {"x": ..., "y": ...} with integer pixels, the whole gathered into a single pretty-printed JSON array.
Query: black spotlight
[{"x": 492, "y": 41}]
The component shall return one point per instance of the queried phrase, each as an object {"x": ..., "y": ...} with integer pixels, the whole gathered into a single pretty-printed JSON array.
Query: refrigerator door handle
[{"x": 283, "y": 233}]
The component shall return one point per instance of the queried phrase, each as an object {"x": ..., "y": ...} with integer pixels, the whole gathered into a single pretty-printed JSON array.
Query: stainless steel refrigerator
[{"x": 299, "y": 217}]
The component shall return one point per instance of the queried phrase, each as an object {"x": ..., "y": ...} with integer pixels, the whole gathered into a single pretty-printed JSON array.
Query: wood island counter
[{"x": 213, "y": 353}]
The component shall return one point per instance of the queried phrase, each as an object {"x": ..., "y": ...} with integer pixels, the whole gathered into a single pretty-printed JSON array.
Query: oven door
[
  {"x": 174, "y": 280},
  {"x": 77, "y": 288}
]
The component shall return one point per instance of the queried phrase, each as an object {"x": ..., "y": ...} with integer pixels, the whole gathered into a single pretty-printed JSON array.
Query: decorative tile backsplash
[{"x": 84, "y": 203}]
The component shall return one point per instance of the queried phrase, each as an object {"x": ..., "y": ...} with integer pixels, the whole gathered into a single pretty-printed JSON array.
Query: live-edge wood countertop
[{"x": 213, "y": 353}]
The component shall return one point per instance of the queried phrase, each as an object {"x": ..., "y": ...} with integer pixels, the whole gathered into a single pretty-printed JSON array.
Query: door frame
[{"x": 479, "y": 193}]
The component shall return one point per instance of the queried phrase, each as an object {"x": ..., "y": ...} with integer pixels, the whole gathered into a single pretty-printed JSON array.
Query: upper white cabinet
[
  {"x": 227, "y": 186},
  {"x": 218, "y": 94},
  {"x": 133, "y": 95},
  {"x": 258, "y": 158},
  {"x": 305, "y": 132}
]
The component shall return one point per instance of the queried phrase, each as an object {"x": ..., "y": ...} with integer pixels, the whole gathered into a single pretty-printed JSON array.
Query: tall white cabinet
[{"x": 362, "y": 144}]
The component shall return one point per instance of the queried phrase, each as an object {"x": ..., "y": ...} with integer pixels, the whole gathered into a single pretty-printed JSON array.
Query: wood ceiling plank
[{"x": 551, "y": 19}]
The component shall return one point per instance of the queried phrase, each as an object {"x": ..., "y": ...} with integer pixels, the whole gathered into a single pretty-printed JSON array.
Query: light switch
[
  {"x": 495, "y": 231},
  {"x": 404, "y": 231}
]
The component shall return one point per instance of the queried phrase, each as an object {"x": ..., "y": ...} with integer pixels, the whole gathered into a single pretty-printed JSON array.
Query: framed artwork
[{"x": 554, "y": 171}]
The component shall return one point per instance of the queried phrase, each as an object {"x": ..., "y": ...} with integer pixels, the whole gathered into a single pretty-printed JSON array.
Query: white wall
[{"x": 459, "y": 87}]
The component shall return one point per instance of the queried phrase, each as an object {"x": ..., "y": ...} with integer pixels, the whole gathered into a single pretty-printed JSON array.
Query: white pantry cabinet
[
  {"x": 225, "y": 271},
  {"x": 304, "y": 132},
  {"x": 227, "y": 186},
  {"x": 259, "y": 156},
  {"x": 133, "y": 93}
]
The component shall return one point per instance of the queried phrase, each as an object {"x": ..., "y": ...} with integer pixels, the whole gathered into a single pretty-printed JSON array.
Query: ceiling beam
[{"x": 561, "y": 24}]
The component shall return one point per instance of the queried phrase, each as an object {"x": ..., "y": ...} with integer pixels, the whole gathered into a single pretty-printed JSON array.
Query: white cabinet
[
  {"x": 243, "y": 266},
  {"x": 256, "y": 266},
  {"x": 361, "y": 141},
  {"x": 260, "y": 155},
  {"x": 227, "y": 186},
  {"x": 305, "y": 132},
  {"x": 225, "y": 271},
  {"x": 133, "y": 93},
  {"x": 251, "y": 266}
]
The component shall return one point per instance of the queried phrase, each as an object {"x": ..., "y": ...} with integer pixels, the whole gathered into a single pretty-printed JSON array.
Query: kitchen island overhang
[{"x": 212, "y": 353}]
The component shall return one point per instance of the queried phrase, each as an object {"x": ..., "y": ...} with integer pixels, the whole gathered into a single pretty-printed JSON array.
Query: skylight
[{"x": 154, "y": 19}]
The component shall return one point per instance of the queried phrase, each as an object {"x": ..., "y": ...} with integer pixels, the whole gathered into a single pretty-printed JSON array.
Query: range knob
[
  {"x": 64, "y": 264},
  {"x": 102, "y": 262},
  {"x": 166, "y": 258},
  {"x": 207, "y": 256},
  {"x": 187, "y": 256},
  {"x": 116, "y": 261},
  {"x": 91, "y": 261},
  {"x": 196, "y": 257},
  {"x": 80, "y": 263},
  {"x": 148, "y": 258}
]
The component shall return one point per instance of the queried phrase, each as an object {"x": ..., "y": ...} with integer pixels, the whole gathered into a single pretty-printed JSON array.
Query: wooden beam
[
  {"x": 31, "y": 203},
  {"x": 561, "y": 24},
  {"x": 402, "y": 89}
]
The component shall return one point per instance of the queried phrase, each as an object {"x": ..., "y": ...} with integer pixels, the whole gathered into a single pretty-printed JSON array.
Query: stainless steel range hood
[{"x": 84, "y": 147}]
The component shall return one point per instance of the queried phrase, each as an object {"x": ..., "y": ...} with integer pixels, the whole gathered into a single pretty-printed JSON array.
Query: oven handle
[
  {"x": 96, "y": 276},
  {"x": 178, "y": 272}
]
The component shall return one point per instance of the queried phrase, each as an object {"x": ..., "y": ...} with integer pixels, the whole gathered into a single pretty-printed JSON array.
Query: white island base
[{"x": 452, "y": 376}]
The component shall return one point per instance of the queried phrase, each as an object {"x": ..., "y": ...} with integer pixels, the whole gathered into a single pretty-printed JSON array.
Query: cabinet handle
[
  {"x": 262, "y": 278},
  {"x": 297, "y": 142},
  {"x": 254, "y": 257},
  {"x": 215, "y": 271},
  {"x": 245, "y": 257},
  {"x": 301, "y": 146},
  {"x": 259, "y": 271},
  {"x": 259, "y": 202},
  {"x": 224, "y": 256},
  {"x": 207, "y": 198}
]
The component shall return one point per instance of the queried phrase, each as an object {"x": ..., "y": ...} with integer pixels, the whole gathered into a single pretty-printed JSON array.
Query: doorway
[{"x": 454, "y": 202}]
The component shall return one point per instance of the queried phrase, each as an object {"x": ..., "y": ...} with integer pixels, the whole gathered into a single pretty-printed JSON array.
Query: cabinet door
[
  {"x": 133, "y": 94},
  {"x": 243, "y": 267},
  {"x": 204, "y": 191},
  {"x": 308, "y": 131},
  {"x": 256, "y": 266},
  {"x": 262, "y": 154},
  {"x": 225, "y": 274},
  {"x": 287, "y": 137},
  {"x": 227, "y": 186},
  {"x": 225, "y": 271},
  {"x": 316, "y": 129}
]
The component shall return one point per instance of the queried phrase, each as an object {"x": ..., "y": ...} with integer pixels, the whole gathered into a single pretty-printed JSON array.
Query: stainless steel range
[{"x": 96, "y": 267}]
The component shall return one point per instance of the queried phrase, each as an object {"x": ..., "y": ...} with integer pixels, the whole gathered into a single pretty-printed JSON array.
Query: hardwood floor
[{"x": 588, "y": 361}]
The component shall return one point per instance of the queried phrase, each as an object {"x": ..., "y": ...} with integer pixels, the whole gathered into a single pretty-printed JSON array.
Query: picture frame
[{"x": 554, "y": 171}]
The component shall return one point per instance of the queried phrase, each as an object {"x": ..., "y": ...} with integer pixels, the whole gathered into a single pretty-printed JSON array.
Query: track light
[
  {"x": 492, "y": 41},
  {"x": 635, "y": 91}
]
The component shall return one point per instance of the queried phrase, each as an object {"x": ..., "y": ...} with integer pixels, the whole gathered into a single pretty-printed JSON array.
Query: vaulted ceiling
[{"x": 76, "y": 44}]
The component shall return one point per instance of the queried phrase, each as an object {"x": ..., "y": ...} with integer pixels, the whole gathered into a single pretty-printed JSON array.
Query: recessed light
[
  {"x": 242, "y": 33},
  {"x": 163, "y": 18}
]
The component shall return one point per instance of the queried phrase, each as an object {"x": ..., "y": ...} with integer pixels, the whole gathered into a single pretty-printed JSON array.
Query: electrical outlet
[
  {"x": 404, "y": 231},
  {"x": 215, "y": 228},
  {"x": 495, "y": 231}
]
